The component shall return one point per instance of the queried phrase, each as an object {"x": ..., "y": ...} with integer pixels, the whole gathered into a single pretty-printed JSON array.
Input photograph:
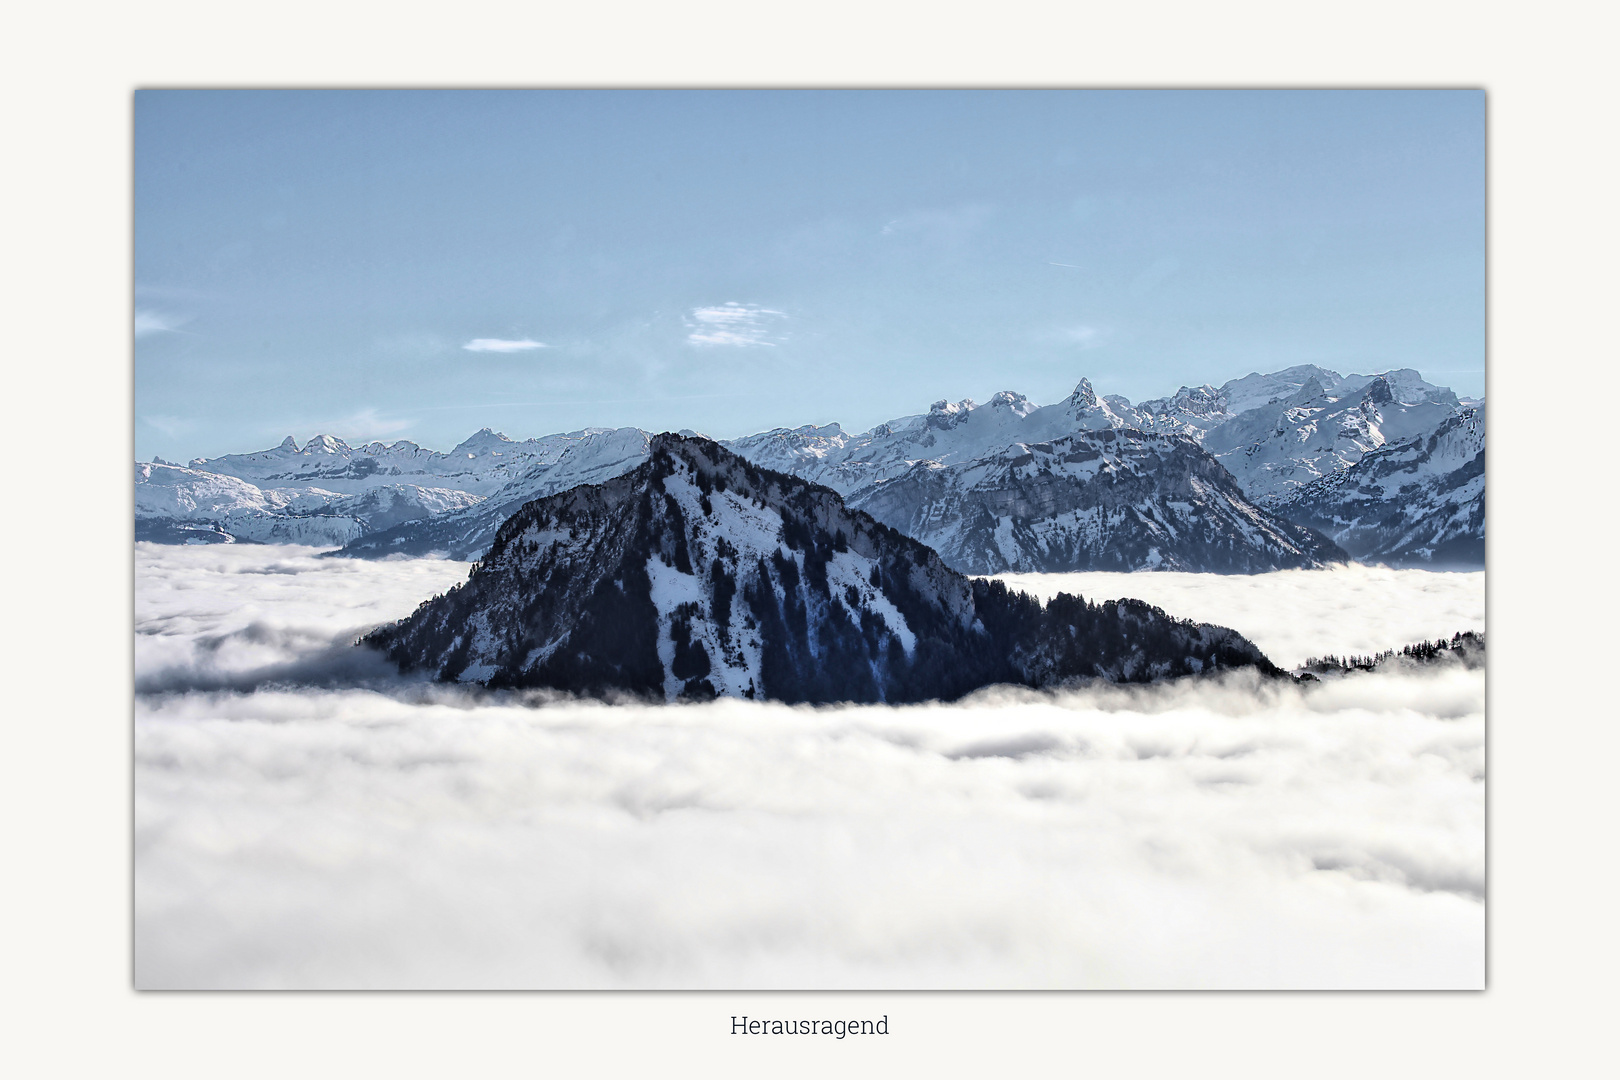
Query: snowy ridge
[
  {"x": 1273, "y": 432},
  {"x": 949, "y": 433},
  {"x": 1281, "y": 446},
  {"x": 481, "y": 464},
  {"x": 1416, "y": 502},
  {"x": 1276, "y": 434}
]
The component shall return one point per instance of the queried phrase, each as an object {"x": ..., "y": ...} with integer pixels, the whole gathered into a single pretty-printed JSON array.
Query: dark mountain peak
[
  {"x": 1308, "y": 393},
  {"x": 699, "y": 574}
]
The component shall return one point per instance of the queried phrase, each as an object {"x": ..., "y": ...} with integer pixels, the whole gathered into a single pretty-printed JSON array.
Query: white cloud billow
[
  {"x": 734, "y": 324},
  {"x": 503, "y": 345},
  {"x": 1296, "y": 614},
  {"x": 391, "y": 832}
]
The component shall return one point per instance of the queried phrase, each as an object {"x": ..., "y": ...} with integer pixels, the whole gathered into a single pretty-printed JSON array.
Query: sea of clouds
[
  {"x": 1297, "y": 614},
  {"x": 305, "y": 817}
]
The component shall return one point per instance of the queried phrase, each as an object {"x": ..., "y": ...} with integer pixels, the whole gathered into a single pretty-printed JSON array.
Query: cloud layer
[
  {"x": 409, "y": 835},
  {"x": 1296, "y": 614}
]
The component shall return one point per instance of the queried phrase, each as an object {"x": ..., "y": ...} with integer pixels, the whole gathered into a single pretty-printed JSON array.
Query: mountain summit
[{"x": 699, "y": 574}]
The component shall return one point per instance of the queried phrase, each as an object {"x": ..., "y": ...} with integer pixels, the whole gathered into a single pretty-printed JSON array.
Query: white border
[{"x": 64, "y": 780}]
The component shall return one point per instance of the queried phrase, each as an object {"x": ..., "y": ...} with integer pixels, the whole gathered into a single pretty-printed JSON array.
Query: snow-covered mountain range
[
  {"x": 962, "y": 476},
  {"x": 1272, "y": 432},
  {"x": 591, "y": 457},
  {"x": 175, "y": 505},
  {"x": 481, "y": 465},
  {"x": 699, "y": 574}
]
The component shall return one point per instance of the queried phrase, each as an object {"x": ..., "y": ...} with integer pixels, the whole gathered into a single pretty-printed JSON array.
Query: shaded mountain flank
[
  {"x": 1096, "y": 500},
  {"x": 1419, "y": 502},
  {"x": 699, "y": 574}
]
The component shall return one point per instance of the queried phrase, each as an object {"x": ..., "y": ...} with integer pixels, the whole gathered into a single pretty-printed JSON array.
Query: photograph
[{"x": 808, "y": 539}]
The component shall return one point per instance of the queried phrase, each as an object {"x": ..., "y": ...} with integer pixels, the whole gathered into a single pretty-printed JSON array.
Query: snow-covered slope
[
  {"x": 177, "y": 505},
  {"x": 1095, "y": 500},
  {"x": 1277, "y": 448},
  {"x": 699, "y": 574},
  {"x": 1419, "y": 501},
  {"x": 599, "y": 455}
]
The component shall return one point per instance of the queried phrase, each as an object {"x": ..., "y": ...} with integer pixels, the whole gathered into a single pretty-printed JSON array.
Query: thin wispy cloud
[
  {"x": 503, "y": 345},
  {"x": 733, "y": 324},
  {"x": 148, "y": 322}
]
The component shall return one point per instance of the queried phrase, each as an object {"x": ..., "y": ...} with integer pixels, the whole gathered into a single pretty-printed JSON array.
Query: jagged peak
[
  {"x": 810, "y": 431},
  {"x": 1084, "y": 396},
  {"x": 1308, "y": 393},
  {"x": 1378, "y": 391},
  {"x": 326, "y": 444},
  {"x": 289, "y": 443},
  {"x": 678, "y": 444},
  {"x": 480, "y": 438},
  {"x": 944, "y": 414},
  {"x": 1204, "y": 397}
]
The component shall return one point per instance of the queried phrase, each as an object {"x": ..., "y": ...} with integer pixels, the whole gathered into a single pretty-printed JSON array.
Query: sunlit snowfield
[{"x": 1231, "y": 834}]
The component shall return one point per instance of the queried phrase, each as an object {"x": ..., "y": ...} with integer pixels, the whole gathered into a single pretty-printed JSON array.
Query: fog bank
[
  {"x": 1296, "y": 614},
  {"x": 1207, "y": 833}
]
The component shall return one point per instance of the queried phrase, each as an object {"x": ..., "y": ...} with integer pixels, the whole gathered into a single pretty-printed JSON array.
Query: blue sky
[{"x": 421, "y": 264}]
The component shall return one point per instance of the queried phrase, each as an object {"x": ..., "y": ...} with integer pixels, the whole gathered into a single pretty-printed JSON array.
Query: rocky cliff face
[
  {"x": 1417, "y": 502},
  {"x": 1095, "y": 500},
  {"x": 700, "y": 574}
]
